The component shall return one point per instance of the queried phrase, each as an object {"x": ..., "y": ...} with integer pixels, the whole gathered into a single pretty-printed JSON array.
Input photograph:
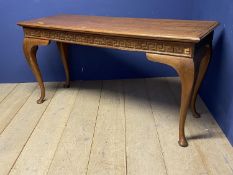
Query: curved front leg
[
  {"x": 63, "y": 48},
  {"x": 185, "y": 69},
  {"x": 201, "y": 70},
  {"x": 30, "y": 47}
]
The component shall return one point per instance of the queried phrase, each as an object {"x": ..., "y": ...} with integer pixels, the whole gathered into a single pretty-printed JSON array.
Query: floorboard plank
[
  {"x": 108, "y": 149},
  {"x": 15, "y": 136},
  {"x": 40, "y": 148},
  {"x": 220, "y": 139},
  {"x": 13, "y": 102},
  {"x": 6, "y": 89},
  {"x": 73, "y": 152},
  {"x": 206, "y": 138},
  {"x": 178, "y": 160},
  {"x": 144, "y": 153}
]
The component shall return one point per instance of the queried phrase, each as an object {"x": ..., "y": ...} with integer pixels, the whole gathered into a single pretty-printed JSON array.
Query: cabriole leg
[
  {"x": 185, "y": 69},
  {"x": 202, "y": 68},
  {"x": 186, "y": 73},
  {"x": 30, "y": 48},
  {"x": 63, "y": 48}
]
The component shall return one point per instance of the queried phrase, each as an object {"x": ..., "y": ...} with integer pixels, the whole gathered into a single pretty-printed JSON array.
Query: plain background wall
[
  {"x": 98, "y": 63},
  {"x": 217, "y": 88},
  {"x": 86, "y": 62}
]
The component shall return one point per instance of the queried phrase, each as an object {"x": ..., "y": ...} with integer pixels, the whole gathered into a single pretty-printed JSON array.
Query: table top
[{"x": 161, "y": 29}]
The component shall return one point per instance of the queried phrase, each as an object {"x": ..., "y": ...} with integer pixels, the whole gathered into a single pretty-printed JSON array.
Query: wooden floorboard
[
  {"x": 143, "y": 148},
  {"x": 112, "y": 127},
  {"x": 74, "y": 149},
  {"x": 5, "y": 90},
  {"x": 108, "y": 148},
  {"x": 15, "y": 136},
  {"x": 40, "y": 148},
  {"x": 13, "y": 102}
]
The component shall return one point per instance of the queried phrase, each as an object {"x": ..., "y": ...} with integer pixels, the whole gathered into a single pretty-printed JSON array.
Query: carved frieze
[{"x": 118, "y": 42}]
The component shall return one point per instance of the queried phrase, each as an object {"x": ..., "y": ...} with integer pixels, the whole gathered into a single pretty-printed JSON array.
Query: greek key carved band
[{"x": 118, "y": 42}]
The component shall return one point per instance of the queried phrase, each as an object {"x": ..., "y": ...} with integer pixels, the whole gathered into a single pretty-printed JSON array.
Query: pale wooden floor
[{"x": 107, "y": 128}]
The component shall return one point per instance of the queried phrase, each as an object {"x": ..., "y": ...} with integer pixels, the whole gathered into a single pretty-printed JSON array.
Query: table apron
[{"x": 173, "y": 48}]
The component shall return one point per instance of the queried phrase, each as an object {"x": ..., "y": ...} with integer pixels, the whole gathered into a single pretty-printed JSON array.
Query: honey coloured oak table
[{"x": 184, "y": 45}]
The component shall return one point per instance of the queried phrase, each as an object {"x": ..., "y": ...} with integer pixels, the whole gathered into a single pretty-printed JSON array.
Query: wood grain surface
[{"x": 165, "y": 29}]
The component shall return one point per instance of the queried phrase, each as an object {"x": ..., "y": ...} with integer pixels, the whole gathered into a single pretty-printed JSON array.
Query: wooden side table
[{"x": 184, "y": 45}]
